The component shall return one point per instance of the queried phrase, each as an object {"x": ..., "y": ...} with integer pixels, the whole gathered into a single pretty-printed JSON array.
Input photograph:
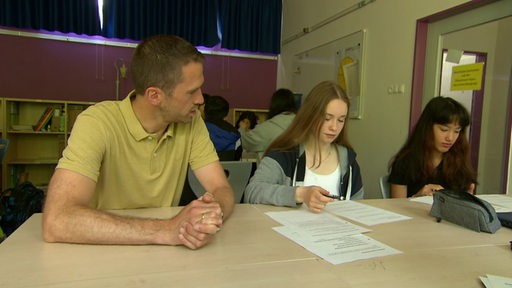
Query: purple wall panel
[
  {"x": 245, "y": 83},
  {"x": 37, "y": 68},
  {"x": 48, "y": 69}
]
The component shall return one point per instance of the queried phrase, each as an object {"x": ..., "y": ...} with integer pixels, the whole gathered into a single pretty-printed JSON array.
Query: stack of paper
[
  {"x": 500, "y": 202},
  {"x": 362, "y": 213},
  {"x": 333, "y": 239},
  {"x": 493, "y": 281}
]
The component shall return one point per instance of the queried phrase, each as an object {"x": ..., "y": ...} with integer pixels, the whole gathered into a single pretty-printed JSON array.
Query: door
[
  {"x": 473, "y": 26},
  {"x": 472, "y": 100}
]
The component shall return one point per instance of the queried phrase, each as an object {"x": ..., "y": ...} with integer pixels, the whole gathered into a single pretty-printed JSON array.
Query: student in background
[
  {"x": 312, "y": 162},
  {"x": 135, "y": 153},
  {"x": 281, "y": 113},
  {"x": 249, "y": 119},
  {"x": 224, "y": 136},
  {"x": 436, "y": 155}
]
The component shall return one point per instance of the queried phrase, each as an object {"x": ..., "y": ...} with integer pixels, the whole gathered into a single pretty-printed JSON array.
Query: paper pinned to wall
[
  {"x": 342, "y": 61},
  {"x": 467, "y": 77},
  {"x": 349, "y": 74},
  {"x": 454, "y": 55}
]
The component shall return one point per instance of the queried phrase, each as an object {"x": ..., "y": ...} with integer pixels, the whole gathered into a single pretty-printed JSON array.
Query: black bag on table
[{"x": 18, "y": 204}]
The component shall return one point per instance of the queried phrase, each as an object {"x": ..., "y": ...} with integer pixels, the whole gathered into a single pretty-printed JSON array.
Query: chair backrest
[
  {"x": 4, "y": 144},
  {"x": 385, "y": 188},
  {"x": 237, "y": 172}
]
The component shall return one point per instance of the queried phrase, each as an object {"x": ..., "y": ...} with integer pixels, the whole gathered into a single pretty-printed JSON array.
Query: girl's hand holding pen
[{"x": 314, "y": 197}]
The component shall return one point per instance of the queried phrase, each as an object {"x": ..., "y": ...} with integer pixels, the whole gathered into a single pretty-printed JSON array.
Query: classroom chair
[
  {"x": 385, "y": 188},
  {"x": 237, "y": 172}
]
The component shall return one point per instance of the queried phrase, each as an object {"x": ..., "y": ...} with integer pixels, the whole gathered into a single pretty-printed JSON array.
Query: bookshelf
[
  {"x": 2, "y": 146},
  {"x": 33, "y": 155},
  {"x": 2, "y": 112}
]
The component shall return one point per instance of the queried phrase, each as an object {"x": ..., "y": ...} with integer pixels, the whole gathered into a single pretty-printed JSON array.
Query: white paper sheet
[
  {"x": 313, "y": 225},
  {"x": 423, "y": 199},
  {"x": 338, "y": 249},
  {"x": 500, "y": 202},
  {"x": 493, "y": 281},
  {"x": 329, "y": 237},
  {"x": 362, "y": 213}
]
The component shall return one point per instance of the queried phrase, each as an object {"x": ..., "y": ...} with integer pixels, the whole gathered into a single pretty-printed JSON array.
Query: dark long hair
[
  {"x": 418, "y": 149},
  {"x": 310, "y": 118},
  {"x": 282, "y": 100},
  {"x": 253, "y": 118}
]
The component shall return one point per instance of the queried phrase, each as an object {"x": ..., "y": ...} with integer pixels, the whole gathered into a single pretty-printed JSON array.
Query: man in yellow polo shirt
[{"x": 134, "y": 153}]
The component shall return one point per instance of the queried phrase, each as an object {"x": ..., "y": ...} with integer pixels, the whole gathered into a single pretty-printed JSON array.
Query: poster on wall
[
  {"x": 342, "y": 61},
  {"x": 467, "y": 77},
  {"x": 348, "y": 69}
]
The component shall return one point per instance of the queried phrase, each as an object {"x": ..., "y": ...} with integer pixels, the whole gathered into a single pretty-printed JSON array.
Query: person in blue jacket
[
  {"x": 225, "y": 137},
  {"x": 312, "y": 162}
]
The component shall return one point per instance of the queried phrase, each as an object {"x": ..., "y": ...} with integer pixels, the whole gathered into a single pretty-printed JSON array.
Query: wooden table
[{"x": 248, "y": 253}]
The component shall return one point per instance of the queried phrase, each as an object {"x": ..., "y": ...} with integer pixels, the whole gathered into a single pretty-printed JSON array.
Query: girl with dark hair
[
  {"x": 437, "y": 153},
  {"x": 283, "y": 100},
  {"x": 249, "y": 118},
  {"x": 312, "y": 162}
]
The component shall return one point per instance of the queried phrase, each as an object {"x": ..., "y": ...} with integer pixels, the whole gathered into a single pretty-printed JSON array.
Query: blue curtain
[
  {"x": 251, "y": 25},
  {"x": 77, "y": 16},
  {"x": 246, "y": 25},
  {"x": 193, "y": 20}
]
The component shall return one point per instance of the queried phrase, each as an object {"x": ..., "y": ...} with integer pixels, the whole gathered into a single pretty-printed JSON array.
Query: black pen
[{"x": 336, "y": 197}]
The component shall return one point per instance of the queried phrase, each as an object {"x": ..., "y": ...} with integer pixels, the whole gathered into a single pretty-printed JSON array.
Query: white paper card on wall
[{"x": 454, "y": 56}]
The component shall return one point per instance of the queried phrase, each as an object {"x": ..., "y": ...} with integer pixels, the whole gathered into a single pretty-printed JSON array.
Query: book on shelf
[{"x": 44, "y": 119}]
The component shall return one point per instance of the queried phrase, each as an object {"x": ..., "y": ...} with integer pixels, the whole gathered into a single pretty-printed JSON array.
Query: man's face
[{"x": 183, "y": 104}]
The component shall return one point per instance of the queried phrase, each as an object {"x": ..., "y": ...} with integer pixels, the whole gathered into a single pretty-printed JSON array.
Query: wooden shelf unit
[{"x": 33, "y": 155}]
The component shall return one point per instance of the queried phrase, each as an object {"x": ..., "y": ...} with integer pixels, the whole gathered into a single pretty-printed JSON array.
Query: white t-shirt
[{"x": 330, "y": 182}]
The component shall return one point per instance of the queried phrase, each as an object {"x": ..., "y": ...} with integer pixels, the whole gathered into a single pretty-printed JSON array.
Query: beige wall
[
  {"x": 391, "y": 29},
  {"x": 501, "y": 86}
]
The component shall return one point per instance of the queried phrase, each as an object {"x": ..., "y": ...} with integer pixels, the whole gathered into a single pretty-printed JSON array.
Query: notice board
[{"x": 342, "y": 61}]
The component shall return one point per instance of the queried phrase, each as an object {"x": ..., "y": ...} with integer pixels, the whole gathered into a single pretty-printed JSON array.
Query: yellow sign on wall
[{"x": 467, "y": 77}]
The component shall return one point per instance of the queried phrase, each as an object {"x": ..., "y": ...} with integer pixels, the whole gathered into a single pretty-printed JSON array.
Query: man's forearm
[
  {"x": 226, "y": 201},
  {"x": 89, "y": 226}
]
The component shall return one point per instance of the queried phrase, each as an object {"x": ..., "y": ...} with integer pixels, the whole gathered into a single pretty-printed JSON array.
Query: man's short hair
[{"x": 158, "y": 62}]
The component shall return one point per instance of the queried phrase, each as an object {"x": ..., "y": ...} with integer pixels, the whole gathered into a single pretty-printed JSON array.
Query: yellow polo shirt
[{"x": 132, "y": 169}]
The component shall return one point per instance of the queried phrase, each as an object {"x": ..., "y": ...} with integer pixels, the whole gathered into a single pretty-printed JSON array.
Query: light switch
[{"x": 396, "y": 89}]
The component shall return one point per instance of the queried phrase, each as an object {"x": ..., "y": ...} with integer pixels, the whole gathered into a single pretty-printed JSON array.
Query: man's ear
[{"x": 154, "y": 95}]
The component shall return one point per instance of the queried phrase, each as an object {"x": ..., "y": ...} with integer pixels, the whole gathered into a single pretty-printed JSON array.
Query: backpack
[{"x": 18, "y": 204}]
